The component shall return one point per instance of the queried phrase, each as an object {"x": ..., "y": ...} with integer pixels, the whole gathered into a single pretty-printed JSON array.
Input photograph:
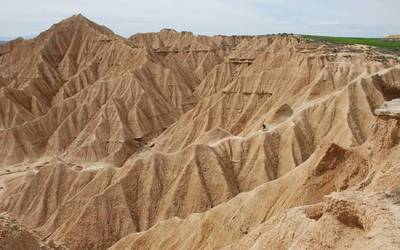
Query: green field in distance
[{"x": 376, "y": 42}]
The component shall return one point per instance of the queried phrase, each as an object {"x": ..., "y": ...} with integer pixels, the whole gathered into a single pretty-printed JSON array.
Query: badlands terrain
[{"x": 170, "y": 140}]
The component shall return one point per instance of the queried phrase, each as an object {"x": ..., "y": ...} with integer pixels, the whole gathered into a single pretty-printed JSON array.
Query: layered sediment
[{"x": 170, "y": 140}]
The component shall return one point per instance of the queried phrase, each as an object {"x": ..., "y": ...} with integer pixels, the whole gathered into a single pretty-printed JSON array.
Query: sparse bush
[{"x": 375, "y": 42}]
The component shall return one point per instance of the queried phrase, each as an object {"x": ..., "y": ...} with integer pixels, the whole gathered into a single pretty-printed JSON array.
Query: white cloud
[
  {"x": 339, "y": 17},
  {"x": 325, "y": 23}
]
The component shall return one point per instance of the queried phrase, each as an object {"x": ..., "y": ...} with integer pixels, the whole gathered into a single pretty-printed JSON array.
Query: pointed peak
[
  {"x": 76, "y": 18},
  {"x": 79, "y": 19}
]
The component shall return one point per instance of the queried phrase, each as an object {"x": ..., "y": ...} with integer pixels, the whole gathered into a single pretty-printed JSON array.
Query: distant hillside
[
  {"x": 392, "y": 37},
  {"x": 4, "y": 39},
  {"x": 376, "y": 42}
]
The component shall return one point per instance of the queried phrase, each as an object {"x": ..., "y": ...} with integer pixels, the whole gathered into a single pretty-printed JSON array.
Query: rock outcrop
[
  {"x": 17, "y": 237},
  {"x": 392, "y": 37},
  {"x": 171, "y": 140},
  {"x": 391, "y": 108}
]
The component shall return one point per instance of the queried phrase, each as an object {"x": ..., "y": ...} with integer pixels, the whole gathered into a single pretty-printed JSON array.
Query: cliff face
[{"x": 170, "y": 140}]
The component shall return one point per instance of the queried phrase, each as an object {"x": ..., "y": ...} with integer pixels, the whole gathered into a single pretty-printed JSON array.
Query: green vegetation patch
[{"x": 376, "y": 42}]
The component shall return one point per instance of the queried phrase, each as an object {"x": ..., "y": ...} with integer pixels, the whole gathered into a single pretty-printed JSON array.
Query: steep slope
[
  {"x": 259, "y": 219},
  {"x": 328, "y": 97},
  {"x": 16, "y": 237},
  {"x": 81, "y": 90},
  {"x": 198, "y": 53},
  {"x": 345, "y": 220},
  {"x": 162, "y": 189},
  {"x": 177, "y": 141}
]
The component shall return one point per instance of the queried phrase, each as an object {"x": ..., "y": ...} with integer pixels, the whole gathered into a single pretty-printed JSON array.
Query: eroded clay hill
[
  {"x": 80, "y": 90},
  {"x": 17, "y": 237},
  {"x": 171, "y": 140}
]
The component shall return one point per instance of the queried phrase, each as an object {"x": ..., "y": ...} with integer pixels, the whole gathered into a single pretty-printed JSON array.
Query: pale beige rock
[
  {"x": 16, "y": 237},
  {"x": 157, "y": 141},
  {"x": 392, "y": 37}
]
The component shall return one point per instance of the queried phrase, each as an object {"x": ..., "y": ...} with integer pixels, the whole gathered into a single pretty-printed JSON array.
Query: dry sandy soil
[{"x": 156, "y": 141}]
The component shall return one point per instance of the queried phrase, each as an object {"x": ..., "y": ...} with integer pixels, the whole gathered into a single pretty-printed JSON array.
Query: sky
[{"x": 355, "y": 18}]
